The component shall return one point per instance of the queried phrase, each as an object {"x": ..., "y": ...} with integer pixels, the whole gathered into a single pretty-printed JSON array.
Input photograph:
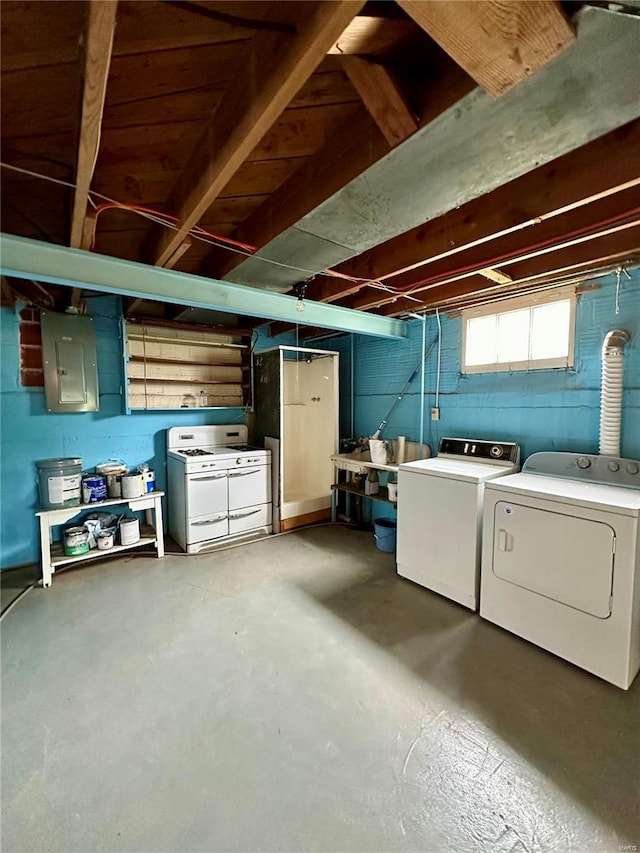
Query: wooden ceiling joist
[
  {"x": 275, "y": 111},
  {"x": 98, "y": 45},
  {"x": 277, "y": 66},
  {"x": 144, "y": 28},
  {"x": 356, "y": 145},
  {"x": 496, "y": 275},
  {"x": 498, "y": 42},
  {"x": 101, "y": 23},
  {"x": 383, "y": 97},
  {"x": 572, "y": 228},
  {"x": 370, "y": 34},
  {"x": 571, "y": 181},
  {"x": 466, "y": 293},
  {"x": 583, "y": 257},
  {"x": 348, "y": 153}
]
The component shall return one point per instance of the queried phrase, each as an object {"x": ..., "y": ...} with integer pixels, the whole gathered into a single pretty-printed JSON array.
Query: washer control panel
[
  {"x": 590, "y": 468},
  {"x": 476, "y": 448}
]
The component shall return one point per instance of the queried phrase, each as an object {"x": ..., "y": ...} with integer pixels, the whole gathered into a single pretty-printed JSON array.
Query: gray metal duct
[{"x": 474, "y": 147}]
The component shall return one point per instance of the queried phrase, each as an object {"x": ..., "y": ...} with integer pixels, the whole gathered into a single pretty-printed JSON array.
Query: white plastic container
[
  {"x": 148, "y": 481},
  {"x": 129, "y": 531},
  {"x": 378, "y": 451}
]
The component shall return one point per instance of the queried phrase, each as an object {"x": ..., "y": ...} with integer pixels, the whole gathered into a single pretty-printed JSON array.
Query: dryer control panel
[
  {"x": 475, "y": 448},
  {"x": 590, "y": 468}
]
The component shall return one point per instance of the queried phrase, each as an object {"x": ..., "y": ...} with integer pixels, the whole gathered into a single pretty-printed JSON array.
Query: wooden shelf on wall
[{"x": 177, "y": 368}]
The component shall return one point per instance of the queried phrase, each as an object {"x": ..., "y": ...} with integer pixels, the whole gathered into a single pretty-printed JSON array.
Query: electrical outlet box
[{"x": 435, "y": 413}]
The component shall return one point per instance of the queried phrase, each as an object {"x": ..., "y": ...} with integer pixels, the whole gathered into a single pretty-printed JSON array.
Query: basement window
[
  {"x": 185, "y": 368},
  {"x": 525, "y": 333}
]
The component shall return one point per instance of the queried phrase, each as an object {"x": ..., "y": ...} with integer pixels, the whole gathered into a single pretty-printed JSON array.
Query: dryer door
[{"x": 566, "y": 559}]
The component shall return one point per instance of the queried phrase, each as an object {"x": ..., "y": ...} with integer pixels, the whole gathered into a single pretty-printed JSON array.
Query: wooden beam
[
  {"x": 622, "y": 245},
  {"x": 86, "y": 243},
  {"x": 348, "y": 153},
  {"x": 467, "y": 292},
  {"x": 496, "y": 275},
  {"x": 355, "y": 146},
  {"x": 549, "y": 236},
  {"x": 48, "y": 33},
  {"x": 101, "y": 23},
  {"x": 498, "y": 42},
  {"x": 383, "y": 97},
  {"x": 571, "y": 181},
  {"x": 276, "y": 67},
  {"x": 370, "y": 34}
]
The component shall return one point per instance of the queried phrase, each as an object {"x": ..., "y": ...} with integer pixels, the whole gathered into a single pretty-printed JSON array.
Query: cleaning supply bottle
[
  {"x": 392, "y": 488},
  {"x": 372, "y": 483}
]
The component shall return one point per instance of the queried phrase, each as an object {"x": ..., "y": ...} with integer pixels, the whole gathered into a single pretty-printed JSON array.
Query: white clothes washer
[
  {"x": 440, "y": 514},
  {"x": 561, "y": 560}
]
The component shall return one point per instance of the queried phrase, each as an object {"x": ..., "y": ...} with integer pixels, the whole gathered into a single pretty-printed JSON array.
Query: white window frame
[{"x": 515, "y": 304}]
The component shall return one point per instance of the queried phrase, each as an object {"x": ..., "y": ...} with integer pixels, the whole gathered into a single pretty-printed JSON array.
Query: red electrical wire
[
  {"x": 141, "y": 209},
  {"x": 509, "y": 256},
  {"x": 196, "y": 230}
]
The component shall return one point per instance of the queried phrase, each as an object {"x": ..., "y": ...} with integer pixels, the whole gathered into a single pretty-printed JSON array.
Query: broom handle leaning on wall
[{"x": 398, "y": 400}]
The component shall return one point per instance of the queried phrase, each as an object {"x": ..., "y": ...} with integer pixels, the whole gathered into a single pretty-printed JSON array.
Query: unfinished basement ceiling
[{"x": 390, "y": 156}]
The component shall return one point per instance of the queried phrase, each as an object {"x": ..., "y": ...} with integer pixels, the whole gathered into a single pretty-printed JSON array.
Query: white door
[
  {"x": 206, "y": 493},
  {"x": 564, "y": 558},
  {"x": 249, "y": 486},
  {"x": 309, "y": 424}
]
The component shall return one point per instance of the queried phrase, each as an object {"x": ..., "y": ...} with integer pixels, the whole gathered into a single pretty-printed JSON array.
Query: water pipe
[
  {"x": 353, "y": 399},
  {"x": 422, "y": 382}
]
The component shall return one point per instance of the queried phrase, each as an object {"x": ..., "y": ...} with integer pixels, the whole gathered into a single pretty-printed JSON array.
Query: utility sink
[{"x": 359, "y": 462}]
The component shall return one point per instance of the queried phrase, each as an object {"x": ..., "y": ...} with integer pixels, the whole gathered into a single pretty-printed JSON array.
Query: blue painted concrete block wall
[
  {"x": 541, "y": 409},
  {"x": 29, "y": 432}
]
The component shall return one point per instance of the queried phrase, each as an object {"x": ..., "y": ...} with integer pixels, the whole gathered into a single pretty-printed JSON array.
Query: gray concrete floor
[
  {"x": 296, "y": 695},
  {"x": 14, "y": 582}
]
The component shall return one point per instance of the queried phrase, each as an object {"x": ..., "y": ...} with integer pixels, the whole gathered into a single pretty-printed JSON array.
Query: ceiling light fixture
[{"x": 301, "y": 292}]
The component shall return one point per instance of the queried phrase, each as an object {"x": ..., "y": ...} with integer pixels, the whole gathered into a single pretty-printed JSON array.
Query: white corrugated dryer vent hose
[{"x": 611, "y": 391}]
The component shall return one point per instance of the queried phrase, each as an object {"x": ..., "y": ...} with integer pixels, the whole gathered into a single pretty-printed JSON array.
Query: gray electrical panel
[{"x": 70, "y": 364}]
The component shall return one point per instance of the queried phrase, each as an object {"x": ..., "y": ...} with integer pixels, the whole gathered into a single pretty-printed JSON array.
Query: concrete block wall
[
  {"x": 543, "y": 410},
  {"x": 540, "y": 409},
  {"x": 29, "y": 433}
]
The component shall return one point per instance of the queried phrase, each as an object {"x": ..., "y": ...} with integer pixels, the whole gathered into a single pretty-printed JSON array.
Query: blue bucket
[{"x": 385, "y": 533}]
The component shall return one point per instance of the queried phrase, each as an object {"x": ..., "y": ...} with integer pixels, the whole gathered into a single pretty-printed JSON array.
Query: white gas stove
[{"x": 219, "y": 486}]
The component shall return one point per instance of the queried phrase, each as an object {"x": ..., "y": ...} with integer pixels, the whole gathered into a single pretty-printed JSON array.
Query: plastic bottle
[
  {"x": 392, "y": 488},
  {"x": 372, "y": 483}
]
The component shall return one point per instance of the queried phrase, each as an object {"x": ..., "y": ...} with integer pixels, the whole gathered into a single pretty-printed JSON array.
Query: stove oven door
[
  {"x": 207, "y": 507},
  {"x": 249, "y": 486}
]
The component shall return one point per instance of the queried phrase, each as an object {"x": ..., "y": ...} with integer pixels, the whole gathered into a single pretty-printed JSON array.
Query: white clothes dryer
[
  {"x": 440, "y": 514},
  {"x": 561, "y": 560}
]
